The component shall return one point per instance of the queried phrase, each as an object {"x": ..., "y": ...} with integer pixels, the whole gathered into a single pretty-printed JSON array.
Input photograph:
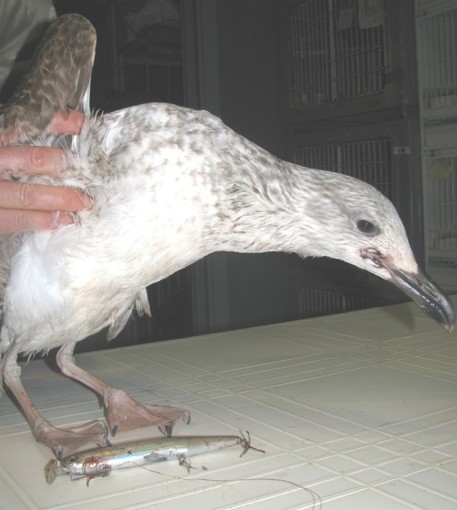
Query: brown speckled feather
[
  {"x": 47, "y": 87},
  {"x": 59, "y": 78}
]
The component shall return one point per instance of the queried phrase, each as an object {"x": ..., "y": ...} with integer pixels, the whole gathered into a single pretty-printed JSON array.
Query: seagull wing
[{"x": 58, "y": 79}]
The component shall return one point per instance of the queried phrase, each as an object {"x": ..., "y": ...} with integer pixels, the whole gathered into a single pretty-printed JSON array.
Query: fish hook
[{"x": 245, "y": 442}]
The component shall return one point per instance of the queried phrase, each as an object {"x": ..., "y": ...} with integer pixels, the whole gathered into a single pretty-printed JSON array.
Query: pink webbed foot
[
  {"x": 62, "y": 441},
  {"x": 125, "y": 413},
  {"x": 65, "y": 441}
]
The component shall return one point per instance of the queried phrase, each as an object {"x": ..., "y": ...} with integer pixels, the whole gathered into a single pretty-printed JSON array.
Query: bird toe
[
  {"x": 125, "y": 413},
  {"x": 66, "y": 441}
]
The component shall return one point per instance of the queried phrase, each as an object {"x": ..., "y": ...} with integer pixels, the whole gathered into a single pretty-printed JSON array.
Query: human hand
[{"x": 27, "y": 206}]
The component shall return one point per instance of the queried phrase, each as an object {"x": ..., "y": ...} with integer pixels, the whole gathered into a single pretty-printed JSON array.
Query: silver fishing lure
[{"x": 101, "y": 461}]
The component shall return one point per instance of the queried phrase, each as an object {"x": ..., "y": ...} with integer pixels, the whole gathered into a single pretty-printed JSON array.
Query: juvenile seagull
[{"x": 169, "y": 186}]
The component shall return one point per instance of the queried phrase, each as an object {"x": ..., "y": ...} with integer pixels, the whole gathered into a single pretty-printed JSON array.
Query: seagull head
[{"x": 361, "y": 226}]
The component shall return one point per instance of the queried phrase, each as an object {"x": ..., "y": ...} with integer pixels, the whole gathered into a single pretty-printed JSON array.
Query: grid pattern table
[{"x": 359, "y": 409}]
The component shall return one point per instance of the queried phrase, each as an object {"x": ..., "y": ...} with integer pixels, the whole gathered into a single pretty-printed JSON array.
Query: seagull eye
[{"x": 367, "y": 227}]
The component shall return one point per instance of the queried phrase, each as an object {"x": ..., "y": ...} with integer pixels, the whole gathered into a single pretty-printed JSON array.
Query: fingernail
[
  {"x": 66, "y": 219},
  {"x": 86, "y": 200},
  {"x": 60, "y": 219}
]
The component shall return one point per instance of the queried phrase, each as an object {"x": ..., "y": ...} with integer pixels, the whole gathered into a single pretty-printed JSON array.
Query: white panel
[
  {"x": 440, "y": 187},
  {"x": 437, "y": 51},
  {"x": 436, "y": 30}
]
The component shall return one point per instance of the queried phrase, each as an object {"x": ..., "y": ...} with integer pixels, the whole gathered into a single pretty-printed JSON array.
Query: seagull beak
[{"x": 426, "y": 294}]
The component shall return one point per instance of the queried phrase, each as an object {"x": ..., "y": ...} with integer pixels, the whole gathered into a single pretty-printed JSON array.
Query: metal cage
[
  {"x": 336, "y": 51},
  {"x": 436, "y": 23},
  {"x": 317, "y": 302},
  {"x": 440, "y": 193},
  {"x": 437, "y": 50}
]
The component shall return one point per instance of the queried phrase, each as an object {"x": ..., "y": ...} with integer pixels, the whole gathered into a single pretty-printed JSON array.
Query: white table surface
[{"x": 360, "y": 408}]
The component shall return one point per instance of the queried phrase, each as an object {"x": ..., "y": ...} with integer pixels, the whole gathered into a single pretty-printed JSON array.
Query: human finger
[
  {"x": 32, "y": 160},
  {"x": 16, "y": 220},
  {"x": 67, "y": 122},
  {"x": 24, "y": 195}
]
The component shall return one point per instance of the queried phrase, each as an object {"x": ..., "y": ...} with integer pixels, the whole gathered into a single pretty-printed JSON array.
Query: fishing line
[
  {"x": 185, "y": 462},
  {"x": 317, "y": 500},
  {"x": 93, "y": 463}
]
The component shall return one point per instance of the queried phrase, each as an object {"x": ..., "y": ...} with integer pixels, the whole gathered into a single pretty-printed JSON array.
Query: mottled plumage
[
  {"x": 169, "y": 186},
  {"x": 47, "y": 87}
]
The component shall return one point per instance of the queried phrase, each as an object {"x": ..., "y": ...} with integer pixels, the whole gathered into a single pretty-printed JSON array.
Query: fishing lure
[{"x": 101, "y": 461}]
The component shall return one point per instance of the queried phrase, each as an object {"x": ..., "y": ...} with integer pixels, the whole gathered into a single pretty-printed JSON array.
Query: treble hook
[{"x": 245, "y": 442}]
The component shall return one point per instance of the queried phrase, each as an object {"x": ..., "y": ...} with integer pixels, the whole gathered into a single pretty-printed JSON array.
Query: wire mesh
[
  {"x": 437, "y": 65},
  {"x": 437, "y": 51},
  {"x": 317, "y": 302},
  {"x": 441, "y": 199},
  {"x": 330, "y": 56}
]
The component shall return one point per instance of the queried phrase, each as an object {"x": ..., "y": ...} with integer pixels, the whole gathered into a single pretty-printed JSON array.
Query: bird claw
[
  {"x": 166, "y": 430},
  {"x": 186, "y": 419}
]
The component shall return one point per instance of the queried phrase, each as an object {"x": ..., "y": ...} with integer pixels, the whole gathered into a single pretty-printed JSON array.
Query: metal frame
[
  {"x": 436, "y": 22},
  {"x": 332, "y": 58},
  {"x": 378, "y": 53}
]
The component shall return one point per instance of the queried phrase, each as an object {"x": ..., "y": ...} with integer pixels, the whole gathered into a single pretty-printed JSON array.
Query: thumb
[{"x": 67, "y": 122}]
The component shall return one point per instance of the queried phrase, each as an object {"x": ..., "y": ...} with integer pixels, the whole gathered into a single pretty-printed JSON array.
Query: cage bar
[
  {"x": 331, "y": 58},
  {"x": 317, "y": 302},
  {"x": 441, "y": 197},
  {"x": 437, "y": 71},
  {"x": 437, "y": 50}
]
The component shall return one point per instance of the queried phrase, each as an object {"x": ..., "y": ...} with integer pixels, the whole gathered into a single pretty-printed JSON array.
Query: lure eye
[{"x": 367, "y": 227}]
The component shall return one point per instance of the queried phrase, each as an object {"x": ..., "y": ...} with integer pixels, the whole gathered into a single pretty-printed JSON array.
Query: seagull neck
[{"x": 260, "y": 208}]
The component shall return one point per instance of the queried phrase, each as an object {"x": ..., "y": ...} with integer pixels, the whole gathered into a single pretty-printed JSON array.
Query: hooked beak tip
[
  {"x": 419, "y": 287},
  {"x": 427, "y": 295},
  {"x": 449, "y": 324}
]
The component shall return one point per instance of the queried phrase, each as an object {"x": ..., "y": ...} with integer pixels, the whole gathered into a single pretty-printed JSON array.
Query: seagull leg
[
  {"x": 62, "y": 441},
  {"x": 122, "y": 411}
]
